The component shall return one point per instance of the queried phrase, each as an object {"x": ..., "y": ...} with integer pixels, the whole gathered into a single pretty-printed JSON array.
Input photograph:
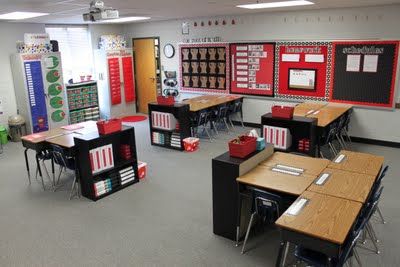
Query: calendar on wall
[{"x": 204, "y": 67}]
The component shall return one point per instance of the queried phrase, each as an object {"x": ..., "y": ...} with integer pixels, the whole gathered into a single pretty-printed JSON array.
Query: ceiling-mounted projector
[{"x": 98, "y": 12}]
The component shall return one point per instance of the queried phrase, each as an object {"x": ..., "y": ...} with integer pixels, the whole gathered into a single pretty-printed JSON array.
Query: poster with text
[
  {"x": 364, "y": 72},
  {"x": 302, "y": 70},
  {"x": 252, "y": 68}
]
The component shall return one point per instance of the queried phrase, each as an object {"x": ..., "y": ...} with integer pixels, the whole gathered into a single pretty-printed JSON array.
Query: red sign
[
  {"x": 115, "y": 82},
  {"x": 129, "y": 86},
  {"x": 252, "y": 68}
]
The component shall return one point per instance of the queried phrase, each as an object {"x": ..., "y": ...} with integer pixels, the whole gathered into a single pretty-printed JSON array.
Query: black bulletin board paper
[{"x": 362, "y": 87}]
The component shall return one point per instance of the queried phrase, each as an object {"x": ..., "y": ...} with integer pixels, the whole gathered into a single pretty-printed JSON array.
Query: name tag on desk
[
  {"x": 289, "y": 168},
  {"x": 310, "y": 111},
  {"x": 297, "y": 206},
  {"x": 316, "y": 112},
  {"x": 321, "y": 180},
  {"x": 340, "y": 158},
  {"x": 285, "y": 171}
]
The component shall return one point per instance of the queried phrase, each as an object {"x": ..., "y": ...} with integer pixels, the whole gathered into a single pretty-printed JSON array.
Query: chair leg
[
  {"x": 357, "y": 257},
  {"x": 373, "y": 241},
  {"x": 347, "y": 135},
  {"x": 215, "y": 127},
  {"x": 74, "y": 190},
  {"x": 374, "y": 236},
  {"x": 342, "y": 145},
  {"x": 380, "y": 215},
  {"x": 226, "y": 124},
  {"x": 248, "y": 231}
]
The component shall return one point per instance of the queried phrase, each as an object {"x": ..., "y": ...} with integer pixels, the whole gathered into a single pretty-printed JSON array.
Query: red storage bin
[
  {"x": 165, "y": 100},
  {"x": 110, "y": 126},
  {"x": 191, "y": 144},
  {"x": 282, "y": 112},
  {"x": 242, "y": 146},
  {"x": 142, "y": 169}
]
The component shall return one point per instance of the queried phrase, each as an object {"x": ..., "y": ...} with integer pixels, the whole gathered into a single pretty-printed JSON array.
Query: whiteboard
[{"x": 300, "y": 79}]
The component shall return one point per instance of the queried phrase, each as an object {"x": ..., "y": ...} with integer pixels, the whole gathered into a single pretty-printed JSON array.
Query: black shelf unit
[
  {"x": 181, "y": 113},
  {"x": 299, "y": 127},
  {"x": 87, "y": 178}
]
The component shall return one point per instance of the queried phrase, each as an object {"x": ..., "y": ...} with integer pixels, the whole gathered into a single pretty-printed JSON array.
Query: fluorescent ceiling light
[
  {"x": 276, "y": 4},
  {"x": 21, "y": 15},
  {"x": 126, "y": 19}
]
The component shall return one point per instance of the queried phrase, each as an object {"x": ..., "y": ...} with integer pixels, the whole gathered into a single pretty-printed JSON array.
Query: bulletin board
[
  {"x": 252, "y": 68},
  {"x": 204, "y": 67},
  {"x": 364, "y": 73},
  {"x": 307, "y": 63}
]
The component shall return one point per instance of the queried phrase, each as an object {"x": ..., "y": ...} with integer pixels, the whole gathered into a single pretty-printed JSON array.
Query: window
[{"x": 76, "y": 50}]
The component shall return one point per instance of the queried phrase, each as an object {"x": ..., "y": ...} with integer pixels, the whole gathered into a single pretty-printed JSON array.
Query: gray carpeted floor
[{"x": 165, "y": 220}]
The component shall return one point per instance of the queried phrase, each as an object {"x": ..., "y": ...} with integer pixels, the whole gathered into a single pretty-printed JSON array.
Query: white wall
[
  {"x": 381, "y": 22},
  {"x": 10, "y": 33}
]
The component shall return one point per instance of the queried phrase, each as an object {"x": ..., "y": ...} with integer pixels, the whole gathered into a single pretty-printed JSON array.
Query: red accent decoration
[
  {"x": 129, "y": 86},
  {"x": 265, "y": 74},
  {"x": 136, "y": 118},
  {"x": 246, "y": 146},
  {"x": 321, "y": 69},
  {"x": 191, "y": 144},
  {"x": 282, "y": 112},
  {"x": 91, "y": 161},
  {"x": 115, "y": 82},
  {"x": 165, "y": 100},
  {"x": 142, "y": 169},
  {"x": 106, "y": 127}
]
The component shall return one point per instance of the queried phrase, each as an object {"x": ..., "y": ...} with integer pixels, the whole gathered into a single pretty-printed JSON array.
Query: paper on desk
[
  {"x": 297, "y": 206},
  {"x": 86, "y": 130},
  {"x": 340, "y": 158},
  {"x": 322, "y": 179},
  {"x": 316, "y": 112}
]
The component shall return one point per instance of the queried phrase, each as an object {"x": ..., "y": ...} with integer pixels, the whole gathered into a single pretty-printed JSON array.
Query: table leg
[
  {"x": 53, "y": 172},
  {"x": 27, "y": 164},
  {"x": 283, "y": 250},
  {"x": 38, "y": 164}
]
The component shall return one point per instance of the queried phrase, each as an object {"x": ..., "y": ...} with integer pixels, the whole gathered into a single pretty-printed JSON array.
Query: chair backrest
[
  {"x": 267, "y": 204},
  {"x": 238, "y": 106},
  {"x": 348, "y": 116},
  {"x": 383, "y": 173},
  {"x": 342, "y": 123},
  {"x": 203, "y": 118},
  {"x": 331, "y": 134},
  {"x": 348, "y": 247},
  {"x": 60, "y": 158}
]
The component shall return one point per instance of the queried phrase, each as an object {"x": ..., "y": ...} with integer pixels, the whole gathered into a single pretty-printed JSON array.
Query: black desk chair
[
  {"x": 219, "y": 118},
  {"x": 202, "y": 120},
  {"x": 65, "y": 163},
  {"x": 328, "y": 140},
  {"x": 236, "y": 110},
  {"x": 266, "y": 206},
  {"x": 345, "y": 129},
  {"x": 41, "y": 158}
]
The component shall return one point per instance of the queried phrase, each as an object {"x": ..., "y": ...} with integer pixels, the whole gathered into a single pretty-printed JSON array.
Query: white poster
[
  {"x": 290, "y": 57},
  {"x": 315, "y": 58},
  {"x": 353, "y": 63},
  {"x": 302, "y": 79},
  {"x": 370, "y": 63}
]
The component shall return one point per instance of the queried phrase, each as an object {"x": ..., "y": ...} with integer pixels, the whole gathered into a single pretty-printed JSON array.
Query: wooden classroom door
[{"x": 145, "y": 72}]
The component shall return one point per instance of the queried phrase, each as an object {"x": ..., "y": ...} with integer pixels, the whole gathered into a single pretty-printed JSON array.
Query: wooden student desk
[
  {"x": 208, "y": 101},
  {"x": 311, "y": 166},
  {"x": 305, "y": 108},
  {"x": 329, "y": 113},
  {"x": 321, "y": 225},
  {"x": 58, "y": 136},
  {"x": 344, "y": 184},
  {"x": 263, "y": 177},
  {"x": 359, "y": 162}
]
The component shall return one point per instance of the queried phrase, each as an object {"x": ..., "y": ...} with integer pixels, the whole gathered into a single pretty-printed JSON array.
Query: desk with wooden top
[
  {"x": 311, "y": 166},
  {"x": 322, "y": 224},
  {"x": 329, "y": 113},
  {"x": 344, "y": 184},
  {"x": 305, "y": 108},
  {"x": 58, "y": 136},
  {"x": 207, "y": 101},
  {"x": 358, "y": 162}
]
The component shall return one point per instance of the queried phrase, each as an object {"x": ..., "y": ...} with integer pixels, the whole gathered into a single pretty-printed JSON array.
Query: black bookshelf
[
  {"x": 299, "y": 127},
  {"x": 181, "y": 113},
  {"x": 88, "y": 178}
]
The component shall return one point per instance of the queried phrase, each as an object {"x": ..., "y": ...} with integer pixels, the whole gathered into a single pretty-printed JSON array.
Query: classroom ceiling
[{"x": 70, "y": 11}]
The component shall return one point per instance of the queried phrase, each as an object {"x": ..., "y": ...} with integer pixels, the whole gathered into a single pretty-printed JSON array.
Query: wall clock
[{"x": 169, "y": 51}]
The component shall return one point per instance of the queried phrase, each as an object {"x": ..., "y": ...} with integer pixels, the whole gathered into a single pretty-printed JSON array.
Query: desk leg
[
  {"x": 329, "y": 262},
  {"x": 53, "y": 172},
  {"x": 283, "y": 251},
  {"x": 27, "y": 164}
]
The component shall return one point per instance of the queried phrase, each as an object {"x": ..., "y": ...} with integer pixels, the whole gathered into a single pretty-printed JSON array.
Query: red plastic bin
[
  {"x": 282, "y": 112},
  {"x": 243, "y": 148},
  {"x": 165, "y": 100},
  {"x": 110, "y": 126}
]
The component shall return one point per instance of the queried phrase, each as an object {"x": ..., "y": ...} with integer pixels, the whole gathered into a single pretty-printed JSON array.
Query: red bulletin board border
[
  {"x": 257, "y": 92},
  {"x": 227, "y": 70},
  {"x": 321, "y": 94},
  {"x": 395, "y": 66}
]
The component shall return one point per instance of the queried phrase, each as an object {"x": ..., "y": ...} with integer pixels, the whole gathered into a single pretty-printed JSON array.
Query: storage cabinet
[
  {"x": 169, "y": 125},
  {"x": 106, "y": 163},
  {"x": 83, "y": 102},
  {"x": 303, "y": 132}
]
